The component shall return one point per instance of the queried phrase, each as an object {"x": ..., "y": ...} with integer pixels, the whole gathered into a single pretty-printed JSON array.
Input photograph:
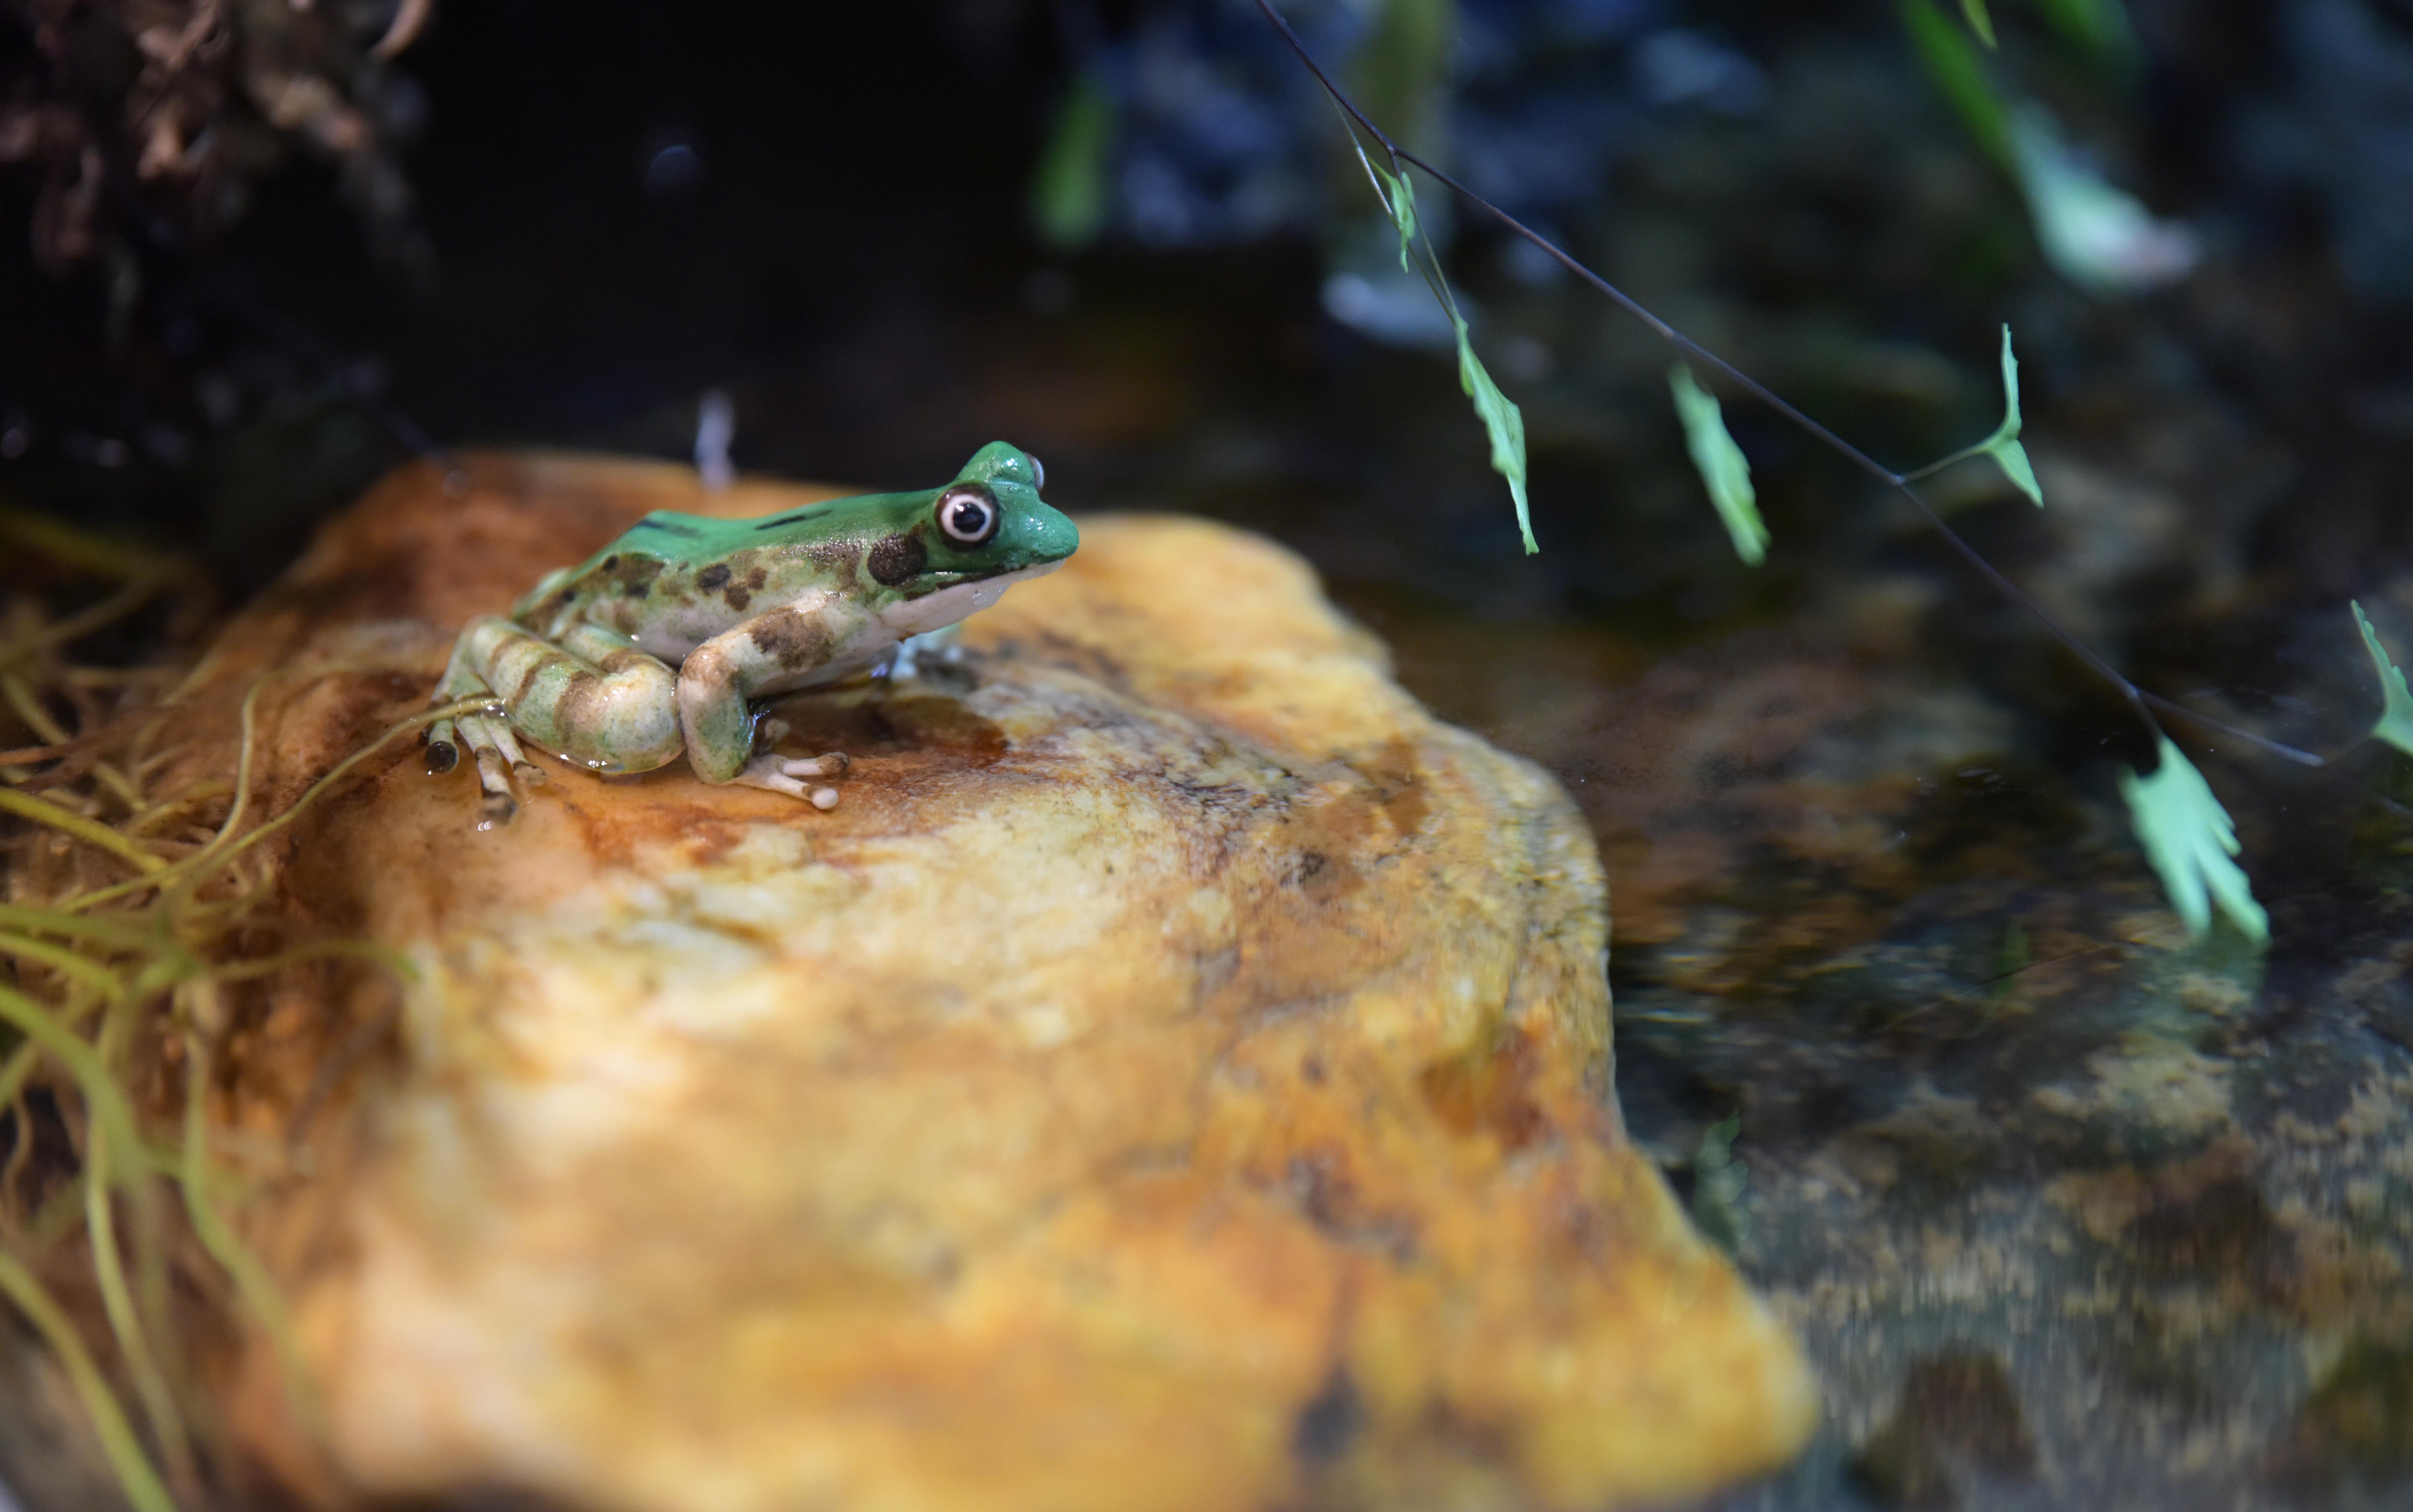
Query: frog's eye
[{"x": 967, "y": 514}]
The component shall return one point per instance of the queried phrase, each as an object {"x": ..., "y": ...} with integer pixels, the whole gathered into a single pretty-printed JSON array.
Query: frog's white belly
[
  {"x": 880, "y": 635},
  {"x": 937, "y": 611}
]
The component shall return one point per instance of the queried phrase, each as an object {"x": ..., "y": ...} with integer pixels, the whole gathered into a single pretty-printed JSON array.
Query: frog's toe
[
  {"x": 828, "y": 763},
  {"x": 779, "y": 774}
]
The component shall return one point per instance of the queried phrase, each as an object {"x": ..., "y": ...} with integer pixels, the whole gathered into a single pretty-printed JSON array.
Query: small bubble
[
  {"x": 113, "y": 452},
  {"x": 14, "y": 440}
]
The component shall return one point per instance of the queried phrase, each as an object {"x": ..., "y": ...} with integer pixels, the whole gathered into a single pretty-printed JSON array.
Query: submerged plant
[{"x": 137, "y": 928}]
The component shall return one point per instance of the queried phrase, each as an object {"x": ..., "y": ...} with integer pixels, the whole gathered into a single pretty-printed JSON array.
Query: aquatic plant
[
  {"x": 140, "y": 932},
  {"x": 2180, "y": 823}
]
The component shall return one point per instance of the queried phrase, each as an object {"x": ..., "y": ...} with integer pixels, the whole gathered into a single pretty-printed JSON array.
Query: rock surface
[{"x": 1175, "y": 1076}]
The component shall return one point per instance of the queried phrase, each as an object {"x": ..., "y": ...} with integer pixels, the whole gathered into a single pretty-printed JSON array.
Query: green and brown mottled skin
[{"x": 742, "y": 609}]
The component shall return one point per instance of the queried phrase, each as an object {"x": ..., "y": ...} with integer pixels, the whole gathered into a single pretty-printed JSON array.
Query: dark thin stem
[{"x": 2140, "y": 702}]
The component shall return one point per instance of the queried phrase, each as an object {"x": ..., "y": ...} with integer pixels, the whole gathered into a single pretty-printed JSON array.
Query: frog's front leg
[
  {"x": 721, "y": 676},
  {"x": 588, "y": 694}
]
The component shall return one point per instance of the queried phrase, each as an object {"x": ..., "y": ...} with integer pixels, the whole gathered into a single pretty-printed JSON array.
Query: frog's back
[{"x": 681, "y": 537}]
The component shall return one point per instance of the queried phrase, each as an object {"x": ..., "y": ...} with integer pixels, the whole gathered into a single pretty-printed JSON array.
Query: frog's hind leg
[
  {"x": 495, "y": 754},
  {"x": 589, "y": 695}
]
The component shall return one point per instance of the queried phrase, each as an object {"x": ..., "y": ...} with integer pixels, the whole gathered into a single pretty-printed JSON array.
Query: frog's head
[
  {"x": 955, "y": 550},
  {"x": 991, "y": 522}
]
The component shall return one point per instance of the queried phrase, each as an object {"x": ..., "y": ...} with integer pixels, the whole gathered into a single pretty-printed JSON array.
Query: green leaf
[
  {"x": 1399, "y": 196},
  {"x": 1959, "y": 72},
  {"x": 1980, "y": 22},
  {"x": 2190, "y": 839},
  {"x": 1068, "y": 192},
  {"x": 1719, "y": 1184},
  {"x": 1720, "y": 462},
  {"x": 1503, "y": 420},
  {"x": 2003, "y": 445},
  {"x": 2395, "y": 724}
]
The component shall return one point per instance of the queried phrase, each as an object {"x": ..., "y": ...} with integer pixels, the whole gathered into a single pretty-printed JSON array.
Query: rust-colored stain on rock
[{"x": 1174, "y": 1078}]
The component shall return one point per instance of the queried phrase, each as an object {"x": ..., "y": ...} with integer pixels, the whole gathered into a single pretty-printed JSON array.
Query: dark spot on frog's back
[
  {"x": 839, "y": 558},
  {"x": 635, "y": 572},
  {"x": 714, "y": 578},
  {"x": 790, "y": 638},
  {"x": 896, "y": 558}
]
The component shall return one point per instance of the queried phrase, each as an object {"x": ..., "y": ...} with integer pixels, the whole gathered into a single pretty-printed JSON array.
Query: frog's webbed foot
[
  {"x": 781, "y": 774},
  {"x": 499, "y": 760}
]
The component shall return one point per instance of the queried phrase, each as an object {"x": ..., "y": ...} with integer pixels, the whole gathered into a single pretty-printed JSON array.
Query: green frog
[{"x": 742, "y": 609}]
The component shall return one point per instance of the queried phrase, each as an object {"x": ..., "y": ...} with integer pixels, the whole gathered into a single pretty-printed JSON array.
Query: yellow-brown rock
[{"x": 1175, "y": 1077}]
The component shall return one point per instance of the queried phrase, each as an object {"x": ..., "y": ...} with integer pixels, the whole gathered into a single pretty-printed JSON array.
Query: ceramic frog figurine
[{"x": 742, "y": 609}]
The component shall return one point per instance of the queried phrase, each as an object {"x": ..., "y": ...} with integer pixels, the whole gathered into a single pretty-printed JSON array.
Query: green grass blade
[
  {"x": 2191, "y": 841},
  {"x": 90, "y": 831},
  {"x": 2395, "y": 724},
  {"x": 252, "y": 1281},
  {"x": 123, "y": 1451},
  {"x": 1720, "y": 464},
  {"x": 1979, "y": 21},
  {"x": 1959, "y": 72},
  {"x": 109, "y": 1272}
]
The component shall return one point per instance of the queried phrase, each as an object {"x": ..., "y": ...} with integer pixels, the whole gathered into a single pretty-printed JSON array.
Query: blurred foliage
[
  {"x": 173, "y": 108},
  {"x": 2192, "y": 842}
]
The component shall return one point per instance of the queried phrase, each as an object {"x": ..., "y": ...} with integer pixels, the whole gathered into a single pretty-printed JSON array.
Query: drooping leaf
[
  {"x": 2097, "y": 236},
  {"x": 1959, "y": 71},
  {"x": 1399, "y": 198},
  {"x": 1720, "y": 464},
  {"x": 1068, "y": 193},
  {"x": 1980, "y": 22},
  {"x": 1502, "y": 422},
  {"x": 2190, "y": 839},
  {"x": 2003, "y": 445},
  {"x": 2395, "y": 724}
]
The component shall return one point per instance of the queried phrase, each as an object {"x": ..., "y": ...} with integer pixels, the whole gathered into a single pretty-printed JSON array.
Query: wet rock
[
  {"x": 1175, "y": 1076},
  {"x": 2356, "y": 1425},
  {"x": 1956, "y": 1409}
]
